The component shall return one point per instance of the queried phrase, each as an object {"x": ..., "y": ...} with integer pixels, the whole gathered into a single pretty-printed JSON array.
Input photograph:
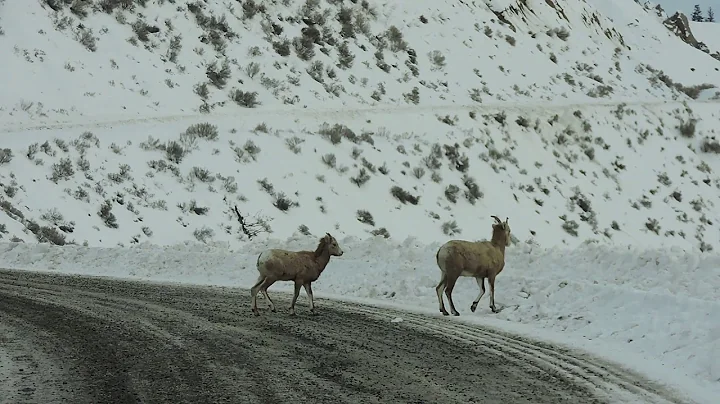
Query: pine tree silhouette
[
  {"x": 710, "y": 15},
  {"x": 697, "y": 14}
]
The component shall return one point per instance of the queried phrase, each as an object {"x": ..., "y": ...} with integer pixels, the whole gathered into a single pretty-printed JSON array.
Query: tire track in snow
[
  {"x": 620, "y": 384},
  {"x": 91, "y": 122}
]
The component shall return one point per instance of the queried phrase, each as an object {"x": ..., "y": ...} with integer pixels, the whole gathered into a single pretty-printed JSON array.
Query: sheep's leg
[
  {"x": 491, "y": 281},
  {"x": 481, "y": 284},
  {"x": 253, "y": 295},
  {"x": 264, "y": 291},
  {"x": 259, "y": 280},
  {"x": 439, "y": 289},
  {"x": 308, "y": 291},
  {"x": 295, "y": 296},
  {"x": 448, "y": 291}
]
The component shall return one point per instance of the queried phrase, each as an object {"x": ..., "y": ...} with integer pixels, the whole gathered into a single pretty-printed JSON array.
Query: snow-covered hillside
[
  {"x": 453, "y": 112},
  {"x": 709, "y": 33},
  {"x": 628, "y": 174}
]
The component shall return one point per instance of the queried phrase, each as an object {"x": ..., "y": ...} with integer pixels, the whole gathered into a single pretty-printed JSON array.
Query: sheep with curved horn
[
  {"x": 477, "y": 259},
  {"x": 301, "y": 267}
]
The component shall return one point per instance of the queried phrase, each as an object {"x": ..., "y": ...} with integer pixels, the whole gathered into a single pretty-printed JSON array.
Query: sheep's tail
[{"x": 257, "y": 263}]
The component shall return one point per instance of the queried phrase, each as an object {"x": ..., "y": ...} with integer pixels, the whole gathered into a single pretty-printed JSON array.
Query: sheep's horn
[
  {"x": 496, "y": 219},
  {"x": 506, "y": 219}
]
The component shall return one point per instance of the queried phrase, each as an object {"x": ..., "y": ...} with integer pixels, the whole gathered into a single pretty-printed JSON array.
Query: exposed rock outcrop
[{"x": 679, "y": 24}]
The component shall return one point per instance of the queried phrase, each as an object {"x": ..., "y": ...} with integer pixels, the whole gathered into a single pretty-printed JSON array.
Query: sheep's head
[
  {"x": 501, "y": 231},
  {"x": 332, "y": 245}
]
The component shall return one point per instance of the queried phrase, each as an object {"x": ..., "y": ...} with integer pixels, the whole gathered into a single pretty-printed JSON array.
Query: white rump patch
[
  {"x": 442, "y": 258},
  {"x": 264, "y": 257}
]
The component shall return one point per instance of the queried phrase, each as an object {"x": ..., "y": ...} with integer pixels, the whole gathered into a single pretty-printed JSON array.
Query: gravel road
[{"x": 72, "y": 339}]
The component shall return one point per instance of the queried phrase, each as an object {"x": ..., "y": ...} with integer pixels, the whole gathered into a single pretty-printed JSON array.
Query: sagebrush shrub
[
  {"x": 336, "y": 133},
  {"x": 282, "y": 47},
  {"x": 451, "y": 193},
  {"x": 244, "y": 99},
  {"x": 381, "y": 232},
  {"x": 107, "y": 216},
  {"x": 47, "y": 234},
  {"x": 450, "y": 228},
  {"x": 204, "y": 130},
  {"x": 345, "y": 56},
  {"x": 283, "y": 203},
  {"x": 404, "y": 196},
  {"x": 203, "y": 234},
  {"x": 687, "y": 128},
  {"x": 6, "y": 155},
  {"x": 218, "y": 77},
  {"x": 304, "y": 48},
  {"x": 361, "y": 178},
  {"x": 62, "y": 170},
  {"x": 710, "y": 146},
  {"x": 395, "y": 38},
  {"x": 174, "y": 151},
  {"x": 365, "y": 217}
]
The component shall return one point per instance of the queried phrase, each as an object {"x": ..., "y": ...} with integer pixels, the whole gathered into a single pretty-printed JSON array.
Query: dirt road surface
[{"x": 72, "y": 339}]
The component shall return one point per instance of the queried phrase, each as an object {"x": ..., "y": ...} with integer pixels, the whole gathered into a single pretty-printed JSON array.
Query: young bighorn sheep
[
  {"x": 479, "y": 259},
  {"x": 301, "y": 267}
]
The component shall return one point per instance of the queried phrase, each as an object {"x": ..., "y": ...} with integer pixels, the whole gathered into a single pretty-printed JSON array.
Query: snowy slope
[
  {"x": 708, "y": 33},
  {"x": 563, "y": 174}
]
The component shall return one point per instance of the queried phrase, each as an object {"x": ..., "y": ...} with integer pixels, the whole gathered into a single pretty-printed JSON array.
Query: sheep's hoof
[
  {"x": 456, "y": 314},
  {"x": 494, "y": 309},
  {"x": 473, "y": 307},
  {"x": 444, "y": 312},
  {"x": 255, "y": 312}
]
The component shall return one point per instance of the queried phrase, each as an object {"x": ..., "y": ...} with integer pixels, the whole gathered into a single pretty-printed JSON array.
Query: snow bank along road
[{"x": 83, "y": 339}]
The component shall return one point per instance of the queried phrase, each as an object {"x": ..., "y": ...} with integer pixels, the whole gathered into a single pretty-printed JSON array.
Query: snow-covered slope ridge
[
  {"x": 139, "y": 57},
  {"x": 709, "y": 34}
]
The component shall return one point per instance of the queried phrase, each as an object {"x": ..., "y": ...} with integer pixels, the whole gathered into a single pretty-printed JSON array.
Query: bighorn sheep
[
  {"x": 301, "y": 267},
  {"x": 480, "y": 260}
]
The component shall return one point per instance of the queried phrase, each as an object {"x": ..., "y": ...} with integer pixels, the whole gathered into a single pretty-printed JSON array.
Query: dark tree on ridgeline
[{"x": 697, "y": 14}]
